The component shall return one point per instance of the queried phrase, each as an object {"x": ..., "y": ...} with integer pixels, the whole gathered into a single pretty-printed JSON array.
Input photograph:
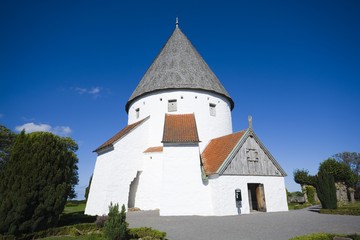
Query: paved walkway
[{"x": 269, "y": 226}]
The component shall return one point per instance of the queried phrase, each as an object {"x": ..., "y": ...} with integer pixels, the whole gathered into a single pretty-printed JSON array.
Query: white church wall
[
  {"x": 183, "y": 192},
  {"x": 115, "y": 170},
  {"x": 149, "y": 190},
  {"x": 188, "y": 101},
  {"x": 223, "y": 193}
]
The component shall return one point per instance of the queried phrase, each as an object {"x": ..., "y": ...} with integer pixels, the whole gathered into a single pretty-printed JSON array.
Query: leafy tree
[
  {"x": 326, "y": 190},
  {"x": 302, "y": 177},
  {"x": 116, "y": 227},
  {"x": 7, "y": 139},
  {"x": 340, "y": 172},
  {"x": 88, "y": 189},
  {"x": 36, "y": 181},
  {"x": 352, "y": 159}
]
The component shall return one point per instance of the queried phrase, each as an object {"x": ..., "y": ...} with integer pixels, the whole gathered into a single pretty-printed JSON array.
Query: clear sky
[{"x": 69, "y": 67}]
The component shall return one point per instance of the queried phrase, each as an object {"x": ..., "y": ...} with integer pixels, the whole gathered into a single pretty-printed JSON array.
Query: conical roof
[{"x": 179, "y": 66}]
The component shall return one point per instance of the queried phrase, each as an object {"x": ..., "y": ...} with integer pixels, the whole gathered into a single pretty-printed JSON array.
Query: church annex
[{"x": 179, "y": 153}]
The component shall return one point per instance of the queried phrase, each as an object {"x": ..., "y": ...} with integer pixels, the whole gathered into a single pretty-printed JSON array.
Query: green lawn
[
  {"x": 296, "y": 206},
  {"x": 350, "y": 209},
  {"x": 72, "y": 208},
  {"x": 82, "y": 237},
  {"x": 324, "y": 236},
  {"x": 74, "y": 214}
]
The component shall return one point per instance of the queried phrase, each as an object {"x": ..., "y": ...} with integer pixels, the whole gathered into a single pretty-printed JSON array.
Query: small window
[
  {"x": 212, "y": 108},
  {"x": 172, "y": 105},
  {"x": 137, "y": 111}
]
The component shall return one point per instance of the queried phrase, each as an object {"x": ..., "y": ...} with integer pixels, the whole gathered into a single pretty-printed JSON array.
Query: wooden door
[{"x": 260, "y": 197}]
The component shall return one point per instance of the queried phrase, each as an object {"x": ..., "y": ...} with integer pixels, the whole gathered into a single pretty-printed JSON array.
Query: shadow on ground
[{"x": 75, "y": 218}]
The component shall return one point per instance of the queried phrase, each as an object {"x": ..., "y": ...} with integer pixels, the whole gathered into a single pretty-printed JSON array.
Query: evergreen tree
[
  {"x": 7, "y": 139},
  {"x": 88, "y": 189},
  {"x": 326, "y": 190},
  {"x": 116, "y": 227},
  {"x": 36, "y": 181}
]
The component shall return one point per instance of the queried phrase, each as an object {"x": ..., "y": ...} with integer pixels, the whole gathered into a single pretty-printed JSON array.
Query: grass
[
  {"x": 324, "y": 236},
  {"x": 74, "y": 214},
  {"x": 72, "y": 208},
  {"x": 349, "y": 209},
  {"x": 296, "y": 206},
  {"x": 82, "y": 237}
]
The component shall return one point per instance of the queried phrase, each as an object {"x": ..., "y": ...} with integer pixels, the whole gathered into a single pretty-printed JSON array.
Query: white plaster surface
[
  {"x": 183, "y": 192},
  {"x": 149, "y": 190},
  {"x": 188, "y": 101},
  {"x": 115, "y": 170},
  {"x": 223, "y": 193},
  {"x": 171, "y": 180}
]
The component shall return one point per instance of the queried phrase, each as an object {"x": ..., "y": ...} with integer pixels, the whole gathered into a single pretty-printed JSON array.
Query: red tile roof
[
  {"x": 126, "y": 130},
  {"x": 218, "y": 150},
  {"x": 180, "y": 128},
  {"x": 154, "y": 149}
]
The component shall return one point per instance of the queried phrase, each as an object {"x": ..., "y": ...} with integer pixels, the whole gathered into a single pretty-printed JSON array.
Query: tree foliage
[
  {"x": 302, "y": 177},
  {"x": 7, "y": 139},
  {"x": 340, "y": 171},
  {"x": 326, "y": 190},
  {"x": 116, "y": 227},
  {"x": 352, "y": 159},
  {"x": 36, "y": 181},
  {"x": 88, "y": 189}
]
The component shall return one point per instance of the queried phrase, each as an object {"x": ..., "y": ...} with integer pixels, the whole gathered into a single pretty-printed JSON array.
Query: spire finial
[
  {"x": 250, "y": 121},
  {"x": 177, "y": 22}
]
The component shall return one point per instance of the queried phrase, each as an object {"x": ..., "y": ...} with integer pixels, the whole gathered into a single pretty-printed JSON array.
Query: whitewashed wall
[
  {"x": 115, "y": 170},
  {"x": 188, "y": 101},
  {"x": 223, "y": 193},
  {"x": 183, "y": 192},
  {"x": 149, "y": 190}
]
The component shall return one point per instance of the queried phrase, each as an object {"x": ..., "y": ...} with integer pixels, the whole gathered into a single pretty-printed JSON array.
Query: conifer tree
[
  {"x": 326, "y": 190},
  {"x": 7, "y": 139},
  {"x": 36, "y": 181}
]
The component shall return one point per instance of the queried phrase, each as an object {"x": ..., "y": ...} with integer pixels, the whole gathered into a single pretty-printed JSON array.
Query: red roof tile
[
  {"x": 180, "y": 128},
  {"x": 218, "y": 150},
  {"x": 154, "y": 149},
  {"x": 120, "y": 134}
]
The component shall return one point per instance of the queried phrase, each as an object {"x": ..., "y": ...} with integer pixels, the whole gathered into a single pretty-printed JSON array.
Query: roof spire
[
  {"x": 250, "y": 121},
  {"x": 177, "y": 22}
]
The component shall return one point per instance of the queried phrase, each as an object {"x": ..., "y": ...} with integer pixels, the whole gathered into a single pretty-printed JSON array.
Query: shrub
[
  {"x": 116, "y": 227},
  {"x": 36, "y": 181},
  {"x": 326, "y": 190},
  {"x": 310, "y": 192},
  {"x": 324, "y": 236},
  {"x": 100, "y": 221},
  {"x": 315, "y": 236},
  {"x": 146, "y": 233},
  {"x": 346, "y": 211}
]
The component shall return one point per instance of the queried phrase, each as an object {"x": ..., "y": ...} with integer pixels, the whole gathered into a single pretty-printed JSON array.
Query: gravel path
[{"x": 270, "y": 226}]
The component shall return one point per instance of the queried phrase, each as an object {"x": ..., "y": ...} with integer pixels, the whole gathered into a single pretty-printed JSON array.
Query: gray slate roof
[{"x": 178, "y": 66}]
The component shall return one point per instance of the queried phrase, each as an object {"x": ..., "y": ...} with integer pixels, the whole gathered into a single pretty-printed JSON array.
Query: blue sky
[{"x": 69, "y": 67}]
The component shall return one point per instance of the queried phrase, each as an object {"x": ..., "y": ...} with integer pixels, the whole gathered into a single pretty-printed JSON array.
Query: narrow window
[
  {"x": 172, "y": 105},
  {"x": 212, "y": 108},
  {"x": 137, "y": 111}
]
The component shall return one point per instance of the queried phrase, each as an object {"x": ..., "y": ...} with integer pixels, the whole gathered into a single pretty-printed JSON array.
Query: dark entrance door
[{"x": 256, "y": 197}]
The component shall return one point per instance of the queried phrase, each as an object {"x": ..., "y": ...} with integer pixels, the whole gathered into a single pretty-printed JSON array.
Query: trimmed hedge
[
  {"x": 324, "y": 236},
  {"x": 74, "y": 230},
  {"x": 342, "y": 211},
  {"x": 146, "y": 233}
]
